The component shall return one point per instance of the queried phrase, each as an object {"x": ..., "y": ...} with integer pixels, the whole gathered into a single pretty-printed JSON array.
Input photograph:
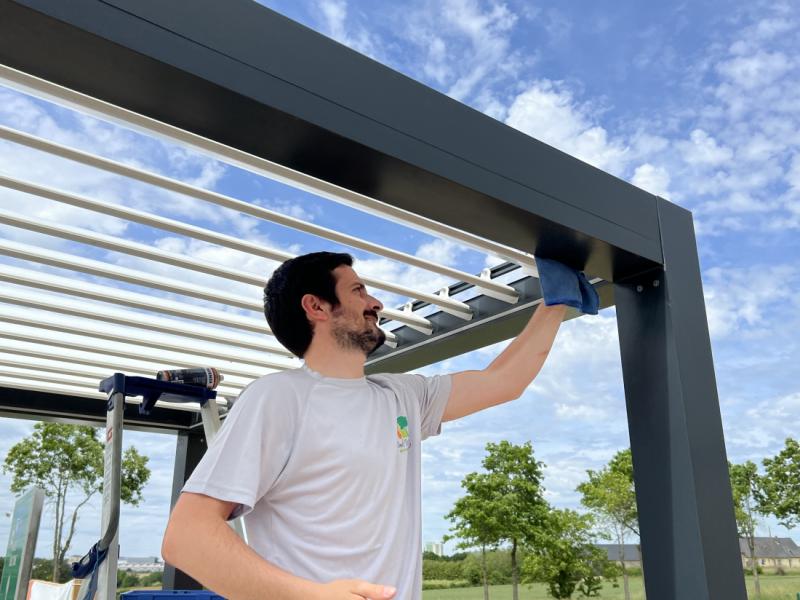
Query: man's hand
[
  {"x": 355, "y": 589},
  {"x": 564, "y": 285}
]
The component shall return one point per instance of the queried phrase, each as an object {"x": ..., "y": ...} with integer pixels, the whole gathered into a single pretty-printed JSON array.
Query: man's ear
[{"x": 315, "y": 308}]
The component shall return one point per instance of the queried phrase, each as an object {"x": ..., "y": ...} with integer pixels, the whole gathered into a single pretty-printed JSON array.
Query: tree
[
  {"x": 63, "y": 459},
  {"x": 610, "y": 495},
  {"x": 746, "y": 488},
  {"x": 520, "y": 505},
  {"x": 780, "y": 493},
  {"x": 476, "y": 517},
  {"x": 153, "y": 579},
  {"x": 43, "y": 568},
  {"x": 127, "y": 579},
  {"x": 567, "y": 559}
]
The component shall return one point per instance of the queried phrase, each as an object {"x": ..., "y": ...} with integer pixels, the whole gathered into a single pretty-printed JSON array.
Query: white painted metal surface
[
  {"x": 83, "y": 301},
  {"x": 108, "y": 112}
]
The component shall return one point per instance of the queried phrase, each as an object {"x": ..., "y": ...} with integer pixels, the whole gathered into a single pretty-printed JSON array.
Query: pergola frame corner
[{"x": 225, "y": 70}]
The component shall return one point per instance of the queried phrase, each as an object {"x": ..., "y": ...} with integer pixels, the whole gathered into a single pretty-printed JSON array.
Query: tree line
[
  {"x": 43, "y": 570},
  {"x": 504, "y": 507}
]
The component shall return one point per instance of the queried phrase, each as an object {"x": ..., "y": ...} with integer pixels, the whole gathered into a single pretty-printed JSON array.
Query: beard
[{"x": 366, "y": 339}]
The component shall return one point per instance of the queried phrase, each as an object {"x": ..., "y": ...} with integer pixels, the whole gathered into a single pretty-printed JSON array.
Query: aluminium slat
[
  {"x": 74, "y": 390},
  {"x": 101, "y": 269},
  {"x": 72, "y": 99},
  {"x": 454, "y": 307},
  {"x": 419, "y": 323},
  {"x": 82, "y": 380},
  {"x": 95, "y": 374},
  {"x": 43, "y": 375},
  {"x": 181, "y": 361},
  {"x": 495, "y": 289},
  {"x": 54, "y": 283},
  {"x": 173, "y": 344},
  {"x": 97, "y": 268},
  {"x": 66, "y": 306},
  {"x": 41, "y": 386},
  {"x": 86, "y": 358}
]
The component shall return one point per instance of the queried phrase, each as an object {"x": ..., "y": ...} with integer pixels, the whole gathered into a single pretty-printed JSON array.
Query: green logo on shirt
[{"x": 403, "y": 440}]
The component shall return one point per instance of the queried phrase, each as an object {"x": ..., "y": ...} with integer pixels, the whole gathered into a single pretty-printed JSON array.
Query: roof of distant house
[
  {"x": 629, "y": 552},
  {"x": 771, "y": 547}
]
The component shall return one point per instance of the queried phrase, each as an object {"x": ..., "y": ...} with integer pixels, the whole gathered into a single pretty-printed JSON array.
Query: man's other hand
[{"x": 355, "y": 589}]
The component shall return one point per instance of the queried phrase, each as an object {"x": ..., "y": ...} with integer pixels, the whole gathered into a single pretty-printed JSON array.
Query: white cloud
[
  {"x": 755, "y": 71},
  {"x": 793, "y": 174},
  {"x": 702, "y": 149},
  {"x": 548, "y": 111},
  {"x": 464, "y": 48},
  {"x": 738, "y": 300},
  {"x": 585, "y": 412},
  {"x": 335, "y": 20},
  {"x": 652, "y": 179}
]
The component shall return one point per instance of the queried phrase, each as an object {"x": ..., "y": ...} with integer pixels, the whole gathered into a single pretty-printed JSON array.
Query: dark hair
[{"x": 306, "y": 274}]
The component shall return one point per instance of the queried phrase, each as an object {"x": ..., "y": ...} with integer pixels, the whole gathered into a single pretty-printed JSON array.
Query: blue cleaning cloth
[
  {"x": 564, "y": 285},
  {"x": 89, "y": 566}
]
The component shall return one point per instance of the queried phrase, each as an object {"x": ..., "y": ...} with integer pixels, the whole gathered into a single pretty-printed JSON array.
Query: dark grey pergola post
[
  {"x": 189, "y": 450},
  {"x": 226, "y": 70},
  {"x": 689, "y": 545}
]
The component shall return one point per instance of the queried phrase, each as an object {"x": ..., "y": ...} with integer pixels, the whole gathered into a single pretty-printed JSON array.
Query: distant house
[
  {"x": 771, "y": 552},
  {"x": 629, "y": 553}
]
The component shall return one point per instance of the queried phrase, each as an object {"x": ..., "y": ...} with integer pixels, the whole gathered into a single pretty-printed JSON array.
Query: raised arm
[
  {"x": 199, "y": 542},
  {"x": 511, "y": 372}
]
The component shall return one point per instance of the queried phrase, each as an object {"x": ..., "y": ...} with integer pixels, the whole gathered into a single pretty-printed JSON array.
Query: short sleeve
[
  {"x": 432, "y": 394},
  {"x": 251, "y": 448}
]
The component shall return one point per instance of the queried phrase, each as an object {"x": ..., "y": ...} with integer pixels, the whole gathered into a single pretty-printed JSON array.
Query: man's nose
[{"x": 375, "y": 304}]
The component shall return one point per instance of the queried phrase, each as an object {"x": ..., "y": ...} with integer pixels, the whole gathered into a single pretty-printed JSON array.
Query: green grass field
[{"x": 773, "y": 587}]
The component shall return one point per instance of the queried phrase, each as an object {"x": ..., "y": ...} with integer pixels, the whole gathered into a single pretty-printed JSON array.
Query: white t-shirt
[{"x": 326, "y": 472}]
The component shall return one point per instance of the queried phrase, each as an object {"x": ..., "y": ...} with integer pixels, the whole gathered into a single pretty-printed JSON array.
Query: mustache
[{"x": 371, "y": 313}]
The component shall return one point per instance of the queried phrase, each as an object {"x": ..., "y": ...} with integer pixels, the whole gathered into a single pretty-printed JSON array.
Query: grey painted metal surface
[
  {"x": 44, "y": 406},
  {"x": 493, "y": 321},
  {"x": 189, "y": 450},
  {"x": 686, "y": 519}
]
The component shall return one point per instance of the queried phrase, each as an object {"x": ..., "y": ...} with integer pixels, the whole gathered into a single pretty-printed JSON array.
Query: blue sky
[{"x": 697, "y": 102}]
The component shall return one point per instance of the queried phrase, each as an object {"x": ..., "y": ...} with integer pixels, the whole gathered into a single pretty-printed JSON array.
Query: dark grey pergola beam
[
  {"x": 247, "y": 77},
  {"x": 44, "y": 406}
]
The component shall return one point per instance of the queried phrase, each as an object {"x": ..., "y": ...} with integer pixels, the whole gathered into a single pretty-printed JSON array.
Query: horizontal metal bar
[
  {"x": 53, "y": 283},
  {"x": 69, "y": 379},
  {"x": 115, "y": 365},
  {"x": 96, "y": 374},
  {"x": 453, "y": 307},
  {"x": 75, "y": 100},
  {"x": 62, "y": 260},
  {"x": 211, "y": 236},
  {"x": 173, "y": 185},
  {"x": 115, "y": 244},
  {"x": 44, "y": 375},
  {"x": 171, "y": 343},
  {"x": 184, "y": 361},
  {"x": 494, "y": 322},
  {"x": 67, "y": 389},
  {"x": 69, "y": 307},
  {"x": 41, "y": 405}
]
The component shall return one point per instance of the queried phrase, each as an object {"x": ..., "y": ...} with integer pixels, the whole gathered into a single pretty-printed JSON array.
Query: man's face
[{"x": 355, "y": 320}]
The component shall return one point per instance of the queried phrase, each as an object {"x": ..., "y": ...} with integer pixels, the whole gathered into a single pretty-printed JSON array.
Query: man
[{"x": 323, "y": 462}]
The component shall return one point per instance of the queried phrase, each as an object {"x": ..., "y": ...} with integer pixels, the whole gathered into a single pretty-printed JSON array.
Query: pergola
[{"x": 210, "y": 75}]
